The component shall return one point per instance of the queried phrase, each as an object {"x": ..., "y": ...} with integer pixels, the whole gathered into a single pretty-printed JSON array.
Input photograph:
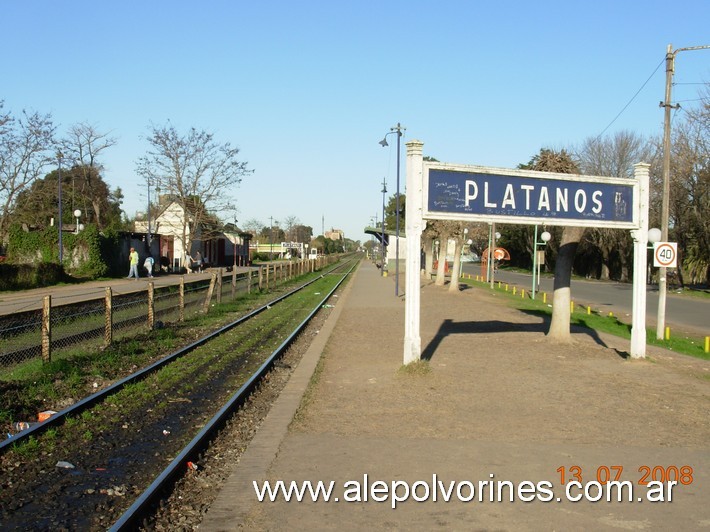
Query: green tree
[
  {"x": 391, "y": 214},
  {"x": 99, "y": 205}
]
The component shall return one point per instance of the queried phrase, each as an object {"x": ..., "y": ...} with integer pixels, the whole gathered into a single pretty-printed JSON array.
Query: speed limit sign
[{"x": 665, "y": 254}]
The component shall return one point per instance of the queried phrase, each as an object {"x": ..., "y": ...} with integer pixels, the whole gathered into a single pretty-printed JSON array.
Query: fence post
[
  {"x": 234, "y": 283},
  {"x": 268, "y": 276},
  {"x": 219, "y": 285},
  {"x": 151, "y": 305},
  {"x": 108, "y": 326},
  {"x": 181, "y": 299},
  {"x": 46, "y": 329},
  {"x": 261, "y": 277},
  {"x": 210, "y": 291},
  {"x": 249, "y": 276}
]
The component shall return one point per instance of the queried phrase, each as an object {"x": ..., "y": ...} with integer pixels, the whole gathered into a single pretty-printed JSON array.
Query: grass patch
[
  {"x": 609, "y": 324},
  {"x": 416, "y": 368}
]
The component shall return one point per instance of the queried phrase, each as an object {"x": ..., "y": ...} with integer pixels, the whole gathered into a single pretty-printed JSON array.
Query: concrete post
[
  {"x": 181, "y": 299},
  {"x": 108, "y": 324},
  {"x": 151, "y": 305},
  {"x": 414, "y": 225},
  {"x": 47, "y": 329},
  {"x": 640, "y": 236}
]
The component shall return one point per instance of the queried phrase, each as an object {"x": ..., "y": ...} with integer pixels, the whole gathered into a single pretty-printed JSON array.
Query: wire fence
[{"x": 100, "y": 321}]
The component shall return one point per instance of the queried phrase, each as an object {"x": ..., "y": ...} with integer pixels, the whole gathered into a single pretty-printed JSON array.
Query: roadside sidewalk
[{"x": 500, "y": 403}]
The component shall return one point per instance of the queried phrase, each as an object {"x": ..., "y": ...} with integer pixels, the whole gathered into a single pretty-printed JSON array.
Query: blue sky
[{"x": 306, "y": 89}]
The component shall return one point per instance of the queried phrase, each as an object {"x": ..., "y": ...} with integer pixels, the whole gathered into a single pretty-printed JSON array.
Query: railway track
[{"x": 109, "y": 459}]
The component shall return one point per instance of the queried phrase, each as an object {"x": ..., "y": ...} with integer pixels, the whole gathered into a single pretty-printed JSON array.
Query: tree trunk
[
  {"x": 440, "y": 270},
  {"x": 605, "y": 264},
  {"x": 456, "y": 270},
  {"x": 624, "y": 267},
  {"x": 560, "y": 324},
  {"x": 428, "y": 256}
]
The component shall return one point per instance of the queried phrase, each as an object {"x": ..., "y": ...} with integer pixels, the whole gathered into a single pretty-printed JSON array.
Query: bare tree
[
  {"x": 613, "y": 156},
  {"x": 290, "y": 222},
  {"x": 253, "y": 226},
  {"x": 25, "y": 151},
  {"x": 195, "y": 170},
  {"x": 82, "y": 147},
  {"x": 689, "y": 203}
]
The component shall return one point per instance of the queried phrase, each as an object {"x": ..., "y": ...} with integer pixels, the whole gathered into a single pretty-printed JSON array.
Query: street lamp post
[
  {"x": 463, "y": 247},
  {"x": 234, "y": 236},
  {"x": 382, "y": 243},
  {"x": 398, "y": 130},
  {"x": 59, "y": 159},
  {"x": 271, "y": 237},
  {"x": 148, "y": 211},
  {"x": 77, "y": 215},
  {"x": 492, "y": 252},
  {"x": 545, "y": 237}
]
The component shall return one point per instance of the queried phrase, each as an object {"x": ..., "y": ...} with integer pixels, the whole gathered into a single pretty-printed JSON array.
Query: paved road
[{"x": 682, "y": 312}]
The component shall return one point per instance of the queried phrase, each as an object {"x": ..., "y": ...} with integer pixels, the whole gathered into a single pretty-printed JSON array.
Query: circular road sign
[{"x": 665, "y": 254}]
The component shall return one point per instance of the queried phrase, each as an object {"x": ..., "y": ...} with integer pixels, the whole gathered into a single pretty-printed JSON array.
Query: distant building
[
  {"x": 335, "y": 234},
  {"x": 221, "y": 245}
]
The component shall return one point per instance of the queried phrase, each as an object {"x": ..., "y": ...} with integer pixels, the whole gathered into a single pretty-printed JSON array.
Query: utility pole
[{"x": 666, "y": 104}]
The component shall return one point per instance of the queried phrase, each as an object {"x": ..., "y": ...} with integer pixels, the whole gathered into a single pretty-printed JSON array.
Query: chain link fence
[{"x": 100, "y": 321}]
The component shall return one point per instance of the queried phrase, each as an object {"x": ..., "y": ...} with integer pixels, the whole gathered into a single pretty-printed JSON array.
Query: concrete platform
[{"x": 500, "y": 407}]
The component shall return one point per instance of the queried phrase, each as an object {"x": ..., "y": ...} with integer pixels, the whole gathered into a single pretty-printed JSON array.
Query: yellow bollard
[
  {"x": 611, "y": 314},
  {"x": 571, "y": 306},
  {"x": 544, "y": 297},
  {"x": 589, "y": 310},
  {"x": 506, "y": 287},
  {"x": 522, "y": 293},
  {"x": 707, "y": 344},
  {"x": 514, "y": 289},
  {"x": 667, "y": 334}
]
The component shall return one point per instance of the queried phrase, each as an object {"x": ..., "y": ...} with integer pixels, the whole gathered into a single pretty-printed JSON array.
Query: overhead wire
[{"x": 632, "y": 98}]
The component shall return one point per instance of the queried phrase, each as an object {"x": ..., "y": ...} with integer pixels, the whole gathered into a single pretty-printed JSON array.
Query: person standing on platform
[{"x": 133, "y": 260}]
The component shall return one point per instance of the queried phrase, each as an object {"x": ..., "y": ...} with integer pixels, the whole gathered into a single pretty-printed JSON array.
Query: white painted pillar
[
  {"x": 414, "y": 227},
  {"x": 640, "y": 236}
]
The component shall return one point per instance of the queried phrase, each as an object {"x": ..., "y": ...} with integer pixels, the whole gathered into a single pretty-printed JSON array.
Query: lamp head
[
  {"x": 77, "y": 213},
  {"x": 545, "y": 236},
  {"x": 383, "y": 142},
  {"x": 654, "y": 235}
]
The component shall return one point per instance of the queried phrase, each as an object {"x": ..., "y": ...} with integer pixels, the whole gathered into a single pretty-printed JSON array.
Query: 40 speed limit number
[{"x": 665, "y": 254}]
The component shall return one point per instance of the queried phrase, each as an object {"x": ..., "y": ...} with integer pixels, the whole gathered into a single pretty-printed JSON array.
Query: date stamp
[{"x": 615, "y": 473}]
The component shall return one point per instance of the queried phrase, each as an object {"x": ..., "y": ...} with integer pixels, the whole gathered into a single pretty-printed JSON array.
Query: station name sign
[{"x": 521, "y": 196}]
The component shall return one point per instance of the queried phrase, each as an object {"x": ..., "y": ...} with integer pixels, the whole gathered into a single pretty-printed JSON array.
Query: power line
[{"x": 632, "y": 99}]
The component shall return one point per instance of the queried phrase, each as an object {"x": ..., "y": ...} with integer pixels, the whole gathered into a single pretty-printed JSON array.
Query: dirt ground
[{"x": 501, "y": 401}]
